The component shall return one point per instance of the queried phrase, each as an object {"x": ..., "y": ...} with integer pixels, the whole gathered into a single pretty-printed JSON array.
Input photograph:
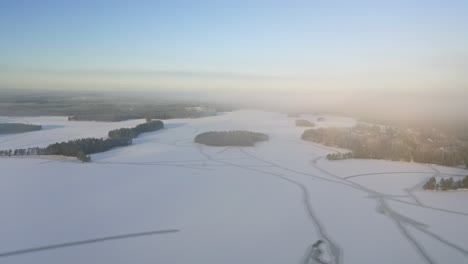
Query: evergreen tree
[
  {"x": 431, "y": 184},
  {"x": 450, "y": 184},
  {"x": 465, "y": 182}
]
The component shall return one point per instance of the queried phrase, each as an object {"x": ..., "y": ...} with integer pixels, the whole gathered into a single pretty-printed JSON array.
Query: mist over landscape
[{"x": 312, "y": 132}]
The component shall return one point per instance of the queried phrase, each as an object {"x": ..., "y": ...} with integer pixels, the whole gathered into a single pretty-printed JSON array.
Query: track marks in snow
[
  {"x": 400, "y": 220},
  {"x": 332, "y": 247},
  {"x": 85, "y": 242},
  {"x": 401, "y": 172}
]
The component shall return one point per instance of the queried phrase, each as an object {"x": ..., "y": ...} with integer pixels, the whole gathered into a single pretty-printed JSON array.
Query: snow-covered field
[{"x": 264, "y": 204}]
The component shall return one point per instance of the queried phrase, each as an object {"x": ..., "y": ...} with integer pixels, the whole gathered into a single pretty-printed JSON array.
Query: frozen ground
[{"x": 264, "y": 204}]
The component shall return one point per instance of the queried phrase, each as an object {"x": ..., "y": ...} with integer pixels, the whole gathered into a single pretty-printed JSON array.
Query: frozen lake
[{"x": 264, "y": 204}]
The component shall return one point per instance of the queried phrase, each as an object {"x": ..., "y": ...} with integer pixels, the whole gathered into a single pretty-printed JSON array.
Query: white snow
[{"x": 262, "y": 204}]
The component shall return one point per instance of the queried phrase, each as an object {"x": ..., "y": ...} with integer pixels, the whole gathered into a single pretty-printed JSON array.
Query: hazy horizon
[{"x": 257, "y": 46}]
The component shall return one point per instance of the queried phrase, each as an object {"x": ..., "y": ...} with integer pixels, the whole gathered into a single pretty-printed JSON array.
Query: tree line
[
  {"x": 446, "y": 184},
  {"x": 82, "y": 148},
  {"x": 22, "y": 152}
]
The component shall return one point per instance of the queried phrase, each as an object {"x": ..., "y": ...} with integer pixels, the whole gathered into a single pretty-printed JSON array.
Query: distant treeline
[
  {"x": 384, "y": 142},
  {"x": 102, "y": 106},
  {"x": 230, "y": 138},
  {"x": 13, "y": 128},
  {"x": 82, "y": 148},
  {"x": 153, "y": 112},
  {"x": 304, "y": 123},
  {"x": 445, "y": 184}
]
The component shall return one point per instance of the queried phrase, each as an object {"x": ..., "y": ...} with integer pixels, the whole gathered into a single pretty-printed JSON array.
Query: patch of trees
[
  {"x": 230, "y": 138},
  {"x": 13, "y": 128},
  {"x": 304, "y": 123},
  {"x": 390, "y": 143},
  {"x": 446, "y": 184},
  {"x": 82, "y": 148},
  {"x": 129, "y": 133},
  {"x": 340, "y": 156}
]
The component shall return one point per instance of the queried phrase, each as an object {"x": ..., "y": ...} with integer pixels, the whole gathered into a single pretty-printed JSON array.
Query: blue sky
[{"x": 228, "y": 44}]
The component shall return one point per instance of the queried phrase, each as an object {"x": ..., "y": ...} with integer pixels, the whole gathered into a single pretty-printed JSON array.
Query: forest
[
  {"x": 230, "y": 138},
  {"x": 385, "y": 142},
  {"x": 14, "y": 128}
]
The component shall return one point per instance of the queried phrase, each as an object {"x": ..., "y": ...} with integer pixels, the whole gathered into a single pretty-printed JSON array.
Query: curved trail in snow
[
  {"x": 333, "y": 248},
  {"x": 85, "y": 242},
  {"x": 402, "y": 172},
  {"x": 399, "y": 220},
  {"x": 357, "y": 186}
]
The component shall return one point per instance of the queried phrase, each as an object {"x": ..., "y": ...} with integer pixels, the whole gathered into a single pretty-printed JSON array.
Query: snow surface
[{"x": 264, "y": 204}]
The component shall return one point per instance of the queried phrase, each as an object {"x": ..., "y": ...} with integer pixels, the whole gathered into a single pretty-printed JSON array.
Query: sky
[{"x": 296, "y": 46}]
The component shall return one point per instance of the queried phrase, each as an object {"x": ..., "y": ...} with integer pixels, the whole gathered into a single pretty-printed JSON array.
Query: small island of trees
[
  {"x": 82, "y": 148},
  {"x": 304, "y": 123},
  {"x": 14, "y": 128},
  {"x": 230, "y": 138},
  {"x": 446, "y": 184}
]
